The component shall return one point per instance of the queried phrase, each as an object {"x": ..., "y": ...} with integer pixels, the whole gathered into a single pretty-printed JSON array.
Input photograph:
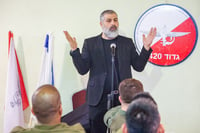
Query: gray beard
[{"x": 110, "y": 34}]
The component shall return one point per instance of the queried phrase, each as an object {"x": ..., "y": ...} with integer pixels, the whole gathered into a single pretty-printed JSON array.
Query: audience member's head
[
  {"x": 142, "y": 115},
  {"x": 128, "y": 88},
  {"x": 46, "y": 105}
]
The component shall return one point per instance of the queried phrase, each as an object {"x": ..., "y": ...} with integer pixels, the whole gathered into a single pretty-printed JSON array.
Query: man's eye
[{"x": 108, "y": 20}]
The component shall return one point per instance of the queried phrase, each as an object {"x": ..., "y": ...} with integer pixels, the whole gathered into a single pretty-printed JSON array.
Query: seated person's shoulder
[
  {"x": 76, "y": 128},
  {"x": 110, "y": 114},
  {"x": 18, "y": 129},
  {"x": 119, "y": 130},
  {"x": 113, "y": 110},
  {"x": 59, "y": 128},
  {"x": 117, "y": 121}
]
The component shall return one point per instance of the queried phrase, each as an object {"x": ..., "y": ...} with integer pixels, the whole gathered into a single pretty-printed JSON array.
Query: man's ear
[
  {"x": 161, "y": 129},
  {"x": 100, "y": 23},
  {"x": 124, "y": 128},
  {"x": 60, "y": 109},
  {"x": 32, "y": 111},
  {"x": 120, "y": 99}
]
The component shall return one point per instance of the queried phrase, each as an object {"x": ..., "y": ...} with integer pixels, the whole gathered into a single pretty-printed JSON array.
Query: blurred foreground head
[{"x": 142, "y": 115}]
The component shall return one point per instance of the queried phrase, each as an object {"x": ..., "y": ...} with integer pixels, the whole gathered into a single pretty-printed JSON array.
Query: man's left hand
[{"x": 147, "y": 41}]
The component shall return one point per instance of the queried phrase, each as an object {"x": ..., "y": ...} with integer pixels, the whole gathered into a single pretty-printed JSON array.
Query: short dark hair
[
  {"x": 142, "y": 115},
  {"x": 106, "y": 12},
  {"x": 128, "y": 88}
]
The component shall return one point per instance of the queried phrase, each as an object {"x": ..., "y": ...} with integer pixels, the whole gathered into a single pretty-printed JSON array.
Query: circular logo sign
[{"x": 176, "y": 34}]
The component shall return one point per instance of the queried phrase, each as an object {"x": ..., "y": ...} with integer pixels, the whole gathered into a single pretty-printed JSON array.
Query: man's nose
[{"x": 113, "y": 22}]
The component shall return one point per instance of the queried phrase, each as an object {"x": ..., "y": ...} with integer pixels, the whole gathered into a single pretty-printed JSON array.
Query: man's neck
[
  {"x": 124, "y": 106},
  {"x": 51, "y": 122}
]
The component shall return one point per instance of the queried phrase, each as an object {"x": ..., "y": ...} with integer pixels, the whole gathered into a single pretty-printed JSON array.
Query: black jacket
[{"x": 92, "y": 59}]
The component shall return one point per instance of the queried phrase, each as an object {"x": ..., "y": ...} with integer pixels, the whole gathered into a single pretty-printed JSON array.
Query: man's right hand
[{"x": 71, "y": 40}]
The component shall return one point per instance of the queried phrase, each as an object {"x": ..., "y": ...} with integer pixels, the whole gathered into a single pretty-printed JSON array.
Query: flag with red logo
[{"x": 16, "y": 100}]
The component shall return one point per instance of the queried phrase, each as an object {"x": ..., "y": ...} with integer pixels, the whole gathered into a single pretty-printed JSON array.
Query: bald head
[{"x": 46, "y": 103}]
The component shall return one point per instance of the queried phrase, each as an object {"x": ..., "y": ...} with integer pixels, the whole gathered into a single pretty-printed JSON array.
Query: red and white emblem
[{"x": 176, "y": 34}]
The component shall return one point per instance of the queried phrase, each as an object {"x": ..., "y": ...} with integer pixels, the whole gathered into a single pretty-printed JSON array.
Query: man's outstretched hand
[
  {"x": 71, "y": 40},
  {"x": 147, "y": 41}
]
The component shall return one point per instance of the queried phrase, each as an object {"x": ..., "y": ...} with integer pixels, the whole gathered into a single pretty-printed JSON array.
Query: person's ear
[
  {"x": 60, "y": 109},
  {"x": 161, "y": 129},
  {"x": 101, "y": 24},
  {"x": 32, "y": 111},
  {"x": 120, "y": 99},
  {"x": 124, "y": 128}
]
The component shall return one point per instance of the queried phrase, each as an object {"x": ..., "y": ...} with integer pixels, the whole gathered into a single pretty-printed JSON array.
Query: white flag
[
  {"x": 47, "y": 73},
  {"x": 13, "y": 114}
]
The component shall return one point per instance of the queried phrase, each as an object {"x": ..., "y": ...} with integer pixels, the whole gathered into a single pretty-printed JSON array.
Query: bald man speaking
[{"x": 46, "y": 106}]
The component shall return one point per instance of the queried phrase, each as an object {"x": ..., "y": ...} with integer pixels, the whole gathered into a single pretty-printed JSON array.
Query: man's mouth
[{"x": 113, "y": 28}]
